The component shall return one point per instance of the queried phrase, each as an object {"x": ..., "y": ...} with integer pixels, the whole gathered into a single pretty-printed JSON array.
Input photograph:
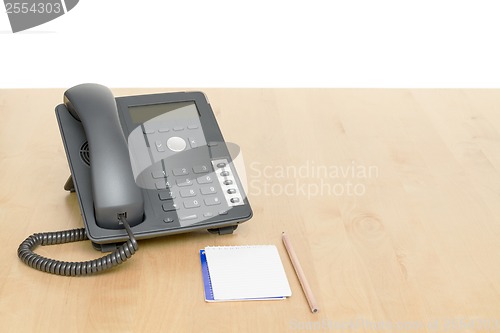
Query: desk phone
[{"x": 141, "y": 166}]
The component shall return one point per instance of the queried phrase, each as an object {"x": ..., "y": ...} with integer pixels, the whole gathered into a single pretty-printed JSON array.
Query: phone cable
[{"x": 118, "y": 256}]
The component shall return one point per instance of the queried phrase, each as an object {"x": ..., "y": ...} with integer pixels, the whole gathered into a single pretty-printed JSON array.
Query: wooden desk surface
[{"x": 391, "y": 198}]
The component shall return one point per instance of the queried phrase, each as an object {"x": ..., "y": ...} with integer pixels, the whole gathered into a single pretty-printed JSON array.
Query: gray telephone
[{"x": 141, "y": 166}]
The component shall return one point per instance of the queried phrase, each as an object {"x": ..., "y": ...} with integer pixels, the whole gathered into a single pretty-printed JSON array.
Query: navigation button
[{"x": 176, "y": 144}]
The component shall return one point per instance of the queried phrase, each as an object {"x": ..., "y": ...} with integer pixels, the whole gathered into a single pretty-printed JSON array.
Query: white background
[{"x": 182, "y": 43}]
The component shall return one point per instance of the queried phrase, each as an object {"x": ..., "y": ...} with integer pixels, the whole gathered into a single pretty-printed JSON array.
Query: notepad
[{"x": 232, "y": 273}]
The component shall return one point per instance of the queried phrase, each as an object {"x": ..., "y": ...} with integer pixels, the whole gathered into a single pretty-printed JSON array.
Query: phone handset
[{"x": 114, "y": 189}]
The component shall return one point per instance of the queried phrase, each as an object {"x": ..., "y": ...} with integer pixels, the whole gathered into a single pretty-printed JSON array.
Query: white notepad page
[{"x": 246, "y": 272}]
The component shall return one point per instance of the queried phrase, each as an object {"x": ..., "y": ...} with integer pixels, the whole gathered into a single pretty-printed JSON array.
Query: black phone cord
[{"x": 118, "y": 256}]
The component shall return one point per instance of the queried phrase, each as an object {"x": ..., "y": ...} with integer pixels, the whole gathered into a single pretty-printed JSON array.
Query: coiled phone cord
[{"x": 30, "y": 258}]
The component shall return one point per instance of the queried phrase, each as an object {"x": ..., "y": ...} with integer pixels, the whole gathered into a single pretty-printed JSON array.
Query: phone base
[
  {"x": 224, "y": 230},
  {"x": 69, "y": 185},
  {"x": 110, "y": 247}
]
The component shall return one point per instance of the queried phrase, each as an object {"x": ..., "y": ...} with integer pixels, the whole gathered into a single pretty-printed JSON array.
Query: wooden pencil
[{"x": 300, "y": 274}]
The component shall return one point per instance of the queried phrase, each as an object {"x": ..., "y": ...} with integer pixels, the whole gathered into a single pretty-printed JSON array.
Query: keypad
[
  {"x": 194, "y": 194},
  {"x": 187, "y": 194}
]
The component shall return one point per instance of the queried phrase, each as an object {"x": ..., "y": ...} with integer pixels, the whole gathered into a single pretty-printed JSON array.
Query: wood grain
[{"x": 391, "y": 198}]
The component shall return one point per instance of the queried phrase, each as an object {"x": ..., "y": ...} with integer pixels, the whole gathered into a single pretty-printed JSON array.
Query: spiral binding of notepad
[{"x": 209, "y": 293}]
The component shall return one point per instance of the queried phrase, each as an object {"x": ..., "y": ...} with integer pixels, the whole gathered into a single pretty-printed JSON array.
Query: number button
[
  {"x": 191, "y": 204},
  {"x": 186, "y": 193},
  {"x": 200, "y": 169},
  {"x": 204, "y": 180},
  {"x": 208, "y": 190},
  {"x": 184, "y": 182},
  {"x": 180, "y": 172},
  {"x": 212, "y": 201}
]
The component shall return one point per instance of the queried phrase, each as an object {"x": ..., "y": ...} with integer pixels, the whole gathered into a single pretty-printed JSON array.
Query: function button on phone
[
  {"x": 188, "y": 217},
  {"x": 170, "y": 206},
  {"x": 178, "y": 128},
  {"x": 159, "y": 146},
  {"x": 176, "y": 144},
  {"x": 168, "y": 220},
  {"x": 193, "y": 142},
  {"x": 208, "y": 214},
  {"x": 228, "y": 182},
  {"x": 184, "y": 182},
  {"x": 208, "y": 190},
  {"x": 224, "y": 173},
  {"x": 161, "y": 185},
  {"x": 200, "y": 168},
  {"x": 231, "y": 191},
  {"x": 204, "y": 180},
  {"x": 180, "y": 172},
  {"x": 223, "y": 212},
  {"x": 221, "y": 165},
  {"x": 163, "y": 130},
  {"x": 235, "y": 200},
  {"x": 165, "y": 195},
  {"x": 148, "y": 130},
  {"x": 212, "y": 201},
  {"x": 192, "y": 127},
  {"x": 191, "y": 203},
  {"x": 158, "y": 174},
  {"x": 186, "y": 193}
]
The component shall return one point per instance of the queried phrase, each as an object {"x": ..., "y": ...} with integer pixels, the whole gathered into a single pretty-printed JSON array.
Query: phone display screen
[{"x": 143, "y": 113}]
